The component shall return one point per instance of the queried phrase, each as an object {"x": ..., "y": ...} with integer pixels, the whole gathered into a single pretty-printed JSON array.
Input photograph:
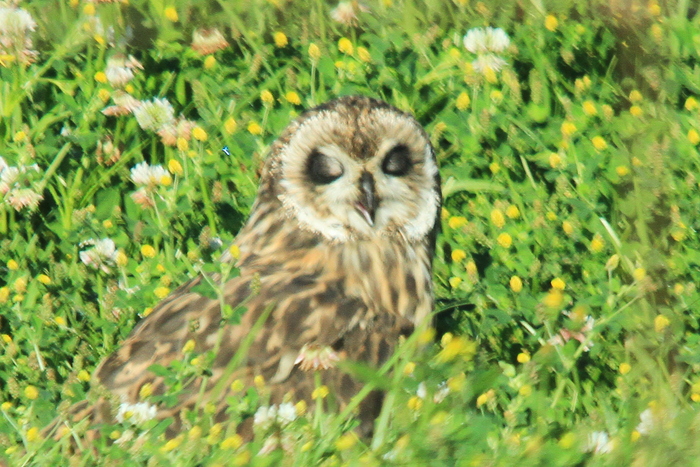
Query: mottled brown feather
[{"x": 356, "y": 295}]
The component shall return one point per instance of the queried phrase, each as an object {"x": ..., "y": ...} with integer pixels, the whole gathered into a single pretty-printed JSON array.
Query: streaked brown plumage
[{"x": 338, "y": 249}]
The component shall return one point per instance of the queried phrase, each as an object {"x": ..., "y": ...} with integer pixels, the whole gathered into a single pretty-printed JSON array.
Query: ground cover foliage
[{"x": 567, "y": 322}]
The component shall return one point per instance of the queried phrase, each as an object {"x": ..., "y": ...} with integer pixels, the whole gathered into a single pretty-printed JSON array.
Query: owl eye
[
  {"x": 323, "y": 169},
  {"x": 397, "y": 161}
]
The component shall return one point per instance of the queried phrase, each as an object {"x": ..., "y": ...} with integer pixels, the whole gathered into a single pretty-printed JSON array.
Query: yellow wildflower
[
  {"x": 639, "y": 274},
  {"x": 554, "y": 160},
  {"x": 558, "y": 283},
  {"x": 409, "y": 368},
  {"x": 104, "y": 95},
  {"x": 175, "y": 167},
  {"x": 597, "y": 244},
  {"x": 691, "y": 103},
  {"x": 293, "y": 98},
  {"x": 554, "y": 298},
  {"x": 173, "y": 444},
  {"x": 364, "y": 55},
  {"x": 89, "y": 9},
  {"x": 148, "y": 251},
  {"x": 458, "y": 255},
  {"x": 693, "y": 137},
  {"x": 525, "y": 390},
  {"x": 44, "y": 279},
  {"x": 471, "y": 268},
  {"x": 171, "y": 14},
  {"x": 19, "y": 136},
  {"x": 589, "y": 108},
  {"x": 512, "y": 211},
  {"x": 455, "y": 281},
  {"x": 504, "y": 240},
  {"x": 33, "y": 434},
  {"x": 458, "y": 346},
  {"x": 31, "y": 392},
  {"x": 209, "y": 62},
  {"x": 523, "y": 357},
  {"x": 485, "y": 397},
  {"x": 60, "y": 320},
  {"x": 567, "y": 227},
  {"x": 463, "y": 101},
  {"x": 266, "y": 97},
  {"x": 497, "y": 218},
  {"x": 551, "y": 23},
  {"x": 661, "y": 322},
  {"x": 494, "y": 167},
  {"x": 232, "y": 442},
  {"x": 622, "y": 170},
  {"x": 346, "y": 441},
  {"x": 568, "y": 129},
  {"x": 280, "y": 39},
  {"x": 455, "y": 222},
  {"x": 599, "y": 143},
  {"x": 624, "y": 368},
  {"x": 230, "y": 125},
  {"x": 516, "y": 284},
  {"x": 199, "y": 134},
  {"x": 320, "y": 392},
  {"x": 636, "y": 111},
  {"x": 12, "y": 265},
  {"x": 635, "y": 96},
  {"x": 101, "y": 77},
  {"x": 189, "y": 346},
  {"x": 146, "y": 390},
  {"x": 415, "y": 403},
  {"x": 259, "y": 381},
  {"x": 345, "y": 46},
  {"x": 6, "y": 338},
  {"x": 254, "y": 128},
  {"x": 194, "y": 433},
  {"x": 83, "y": 376},
  {"x": 314, "y": 52},
  {"x": 300, "y": 407}
]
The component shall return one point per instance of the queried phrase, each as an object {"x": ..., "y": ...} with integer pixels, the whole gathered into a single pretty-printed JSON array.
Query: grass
[{"x": 565, "y": 276}]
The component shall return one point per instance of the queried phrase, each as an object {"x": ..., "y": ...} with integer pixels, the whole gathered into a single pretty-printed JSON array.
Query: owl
[{"x": 334, "y": 263}]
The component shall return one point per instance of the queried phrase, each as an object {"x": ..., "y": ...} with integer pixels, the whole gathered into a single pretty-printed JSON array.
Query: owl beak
[{"x": 367, "y": 204}]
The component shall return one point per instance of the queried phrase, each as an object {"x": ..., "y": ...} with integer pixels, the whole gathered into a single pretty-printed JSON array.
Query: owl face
[{"x": 357, "y": 168}]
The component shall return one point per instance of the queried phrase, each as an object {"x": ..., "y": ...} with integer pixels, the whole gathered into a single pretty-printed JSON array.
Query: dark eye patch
[
  {"x": 397, "y": 161},
  {"x": 323, "y": 169}
]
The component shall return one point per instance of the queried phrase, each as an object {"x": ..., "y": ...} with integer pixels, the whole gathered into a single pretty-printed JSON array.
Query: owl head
[{"x": 356, "y": 168}]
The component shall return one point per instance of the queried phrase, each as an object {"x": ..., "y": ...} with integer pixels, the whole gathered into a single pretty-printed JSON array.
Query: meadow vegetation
[{"x": 567, "y": 132}]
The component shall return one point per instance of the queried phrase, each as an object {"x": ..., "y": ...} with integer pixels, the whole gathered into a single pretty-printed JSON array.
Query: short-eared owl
[{"x": 335, "y": 263}]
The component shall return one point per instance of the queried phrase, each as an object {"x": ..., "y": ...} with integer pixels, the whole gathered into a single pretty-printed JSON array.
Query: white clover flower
[
  {"x": 23, "y": 198},
  {"x": 646, "y": 424},
  {"x": 208, "y": 41},
  {"x": 118, "y": 76},
  {"x": 102, "y": 256},
  {"x": 119, "y": 69},
  {"x": 422, "y": 391},
  {"x": 485, "y": 40},
  {"x": 153, "y": 115},
  {"x": 488, "y": 62},
  {"x": 441, "y": 393},
  {"x": 286, "y": 413},
  {"x": 8, "y": 177},
  {"x": 265, "y": 417},
  {"x": 599, "y": 443},
  {"x": 486, "y": 43},
  {"x": 136, "y": 414},
  {"x": 150, "y": 176},
  {"x": 16, "y": 25},
  {"x": 16, "y": 186},
  {"x": 346, "y": 12},
  {"x": 313, "y": 357}
]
